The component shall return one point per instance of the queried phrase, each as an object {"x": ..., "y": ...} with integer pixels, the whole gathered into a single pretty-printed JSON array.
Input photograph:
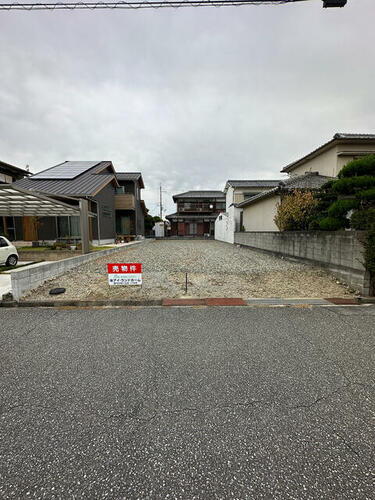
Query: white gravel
[{"x": 214, "y": 269}]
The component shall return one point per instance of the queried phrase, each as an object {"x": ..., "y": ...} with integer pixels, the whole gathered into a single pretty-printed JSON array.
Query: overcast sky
[{"x": 189, "y": 97}]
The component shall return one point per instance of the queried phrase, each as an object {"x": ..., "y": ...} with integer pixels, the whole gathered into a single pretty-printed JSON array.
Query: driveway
[
  {"x": 214, "y": 269},
  {"x": 187, "y": 403}
]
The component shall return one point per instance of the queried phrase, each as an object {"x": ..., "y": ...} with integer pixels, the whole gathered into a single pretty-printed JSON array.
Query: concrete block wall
[
  {"x": 341, "y": 252},
  {"x": 23, "y": 280}
]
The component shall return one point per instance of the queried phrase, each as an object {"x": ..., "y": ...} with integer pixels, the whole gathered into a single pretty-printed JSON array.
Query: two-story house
[
  {"x": 8, "y": 174},
  {"x": 236, "y": 191},
  {"x": 196, "y": 213},
  {"x": 309, "y": 172},
  {"x": 130, "y": 208},
  {"x": 96, "y": 182}
]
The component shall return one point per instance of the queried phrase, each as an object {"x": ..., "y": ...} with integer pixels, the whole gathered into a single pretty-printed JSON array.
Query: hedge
[
  {"x": 363, "y": 219},
  {"x": 362, "y": 166},
  {"x": 341, "y": 207},
  {"x": 349, "y": 185},
  {"x": 333, "y": 223}
]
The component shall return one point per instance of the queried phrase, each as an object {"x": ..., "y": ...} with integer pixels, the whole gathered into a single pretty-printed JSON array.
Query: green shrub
[
  {"x": 340, "y": 208},
  {"x": 362, "y": 166},
  {"x": 350, "y": 185},
  {"x": 333, "y": 223},
  {"x": 367, "y": 195},
  {"x": 363, "y": 219}
]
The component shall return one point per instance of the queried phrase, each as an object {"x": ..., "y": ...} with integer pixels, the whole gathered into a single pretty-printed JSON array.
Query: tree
[
  {"x": 150, "y": 222},
  {"x": 353, "y": 193},
  {"x": 294, "y": 211}
]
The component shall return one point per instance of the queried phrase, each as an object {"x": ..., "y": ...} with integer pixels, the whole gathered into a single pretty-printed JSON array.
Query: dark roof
[
  {"x": 311, "y": 180},
  {"x": 86, "y": 184},
  {"x": 251, "y": 183},
  {"x": 191, "y": 216},
  {"x": 200, "y": 194},
  {"x": 13, "y": 170},
  {"x": 131, "y": 176},
  {"x": 338, "y": 138}
]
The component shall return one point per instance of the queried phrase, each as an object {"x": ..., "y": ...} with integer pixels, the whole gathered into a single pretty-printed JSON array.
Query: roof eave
[{"x": 325, "y": 147}]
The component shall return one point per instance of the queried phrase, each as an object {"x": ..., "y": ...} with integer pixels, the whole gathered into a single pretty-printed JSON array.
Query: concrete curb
[{"x": 207, "y": 302}]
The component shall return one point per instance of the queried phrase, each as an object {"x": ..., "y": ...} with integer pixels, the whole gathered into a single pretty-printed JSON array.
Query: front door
[{"x": 192, "y": 228}]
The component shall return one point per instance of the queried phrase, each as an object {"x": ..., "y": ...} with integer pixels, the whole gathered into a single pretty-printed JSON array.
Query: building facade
[
  {"x": 8, "y": 174},
  {"x": 130, "y": 208},
  {"x": 96, "y": 182},
  {"x": 236, "y": 192},
  {"x": 196, "y": 213},
  {"x": 329, "y": 158}
]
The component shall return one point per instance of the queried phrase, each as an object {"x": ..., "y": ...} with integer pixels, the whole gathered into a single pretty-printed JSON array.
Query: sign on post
[{"x": 124, "y": 274}]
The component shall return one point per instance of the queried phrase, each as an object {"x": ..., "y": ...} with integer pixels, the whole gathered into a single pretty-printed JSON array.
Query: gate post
[{"x": 84, "y": 225}]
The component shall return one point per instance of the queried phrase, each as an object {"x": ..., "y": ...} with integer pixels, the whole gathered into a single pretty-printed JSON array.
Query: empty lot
[{"x": 214, "y": 269}]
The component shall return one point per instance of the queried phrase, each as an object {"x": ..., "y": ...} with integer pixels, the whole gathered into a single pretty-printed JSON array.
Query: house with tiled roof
[
  {"x": 329, "y": 158},
  {"x": 237, "y": 191},
  {"x": 309, "y": 172},
  {"x": 196, "y": 213}
]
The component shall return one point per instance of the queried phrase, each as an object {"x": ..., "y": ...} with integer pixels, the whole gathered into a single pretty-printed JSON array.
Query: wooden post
[{"x": 84, "y": 225}]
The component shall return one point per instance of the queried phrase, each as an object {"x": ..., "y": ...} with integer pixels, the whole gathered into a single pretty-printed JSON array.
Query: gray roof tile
[
  {"x": 86, "y": 184},
  {"x": 200, "y": 194},
  {"x": 308, "y": 181}
]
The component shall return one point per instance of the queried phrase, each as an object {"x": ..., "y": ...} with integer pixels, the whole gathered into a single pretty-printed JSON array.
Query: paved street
[{"x": 255, "y": 403}]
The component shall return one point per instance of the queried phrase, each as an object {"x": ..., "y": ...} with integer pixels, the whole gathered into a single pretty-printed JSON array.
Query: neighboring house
[
  {"x": 8, "y": 174},
  {"x": 94, "y": 181},
  {"x": 329, "y": 158},
  {"x": 236, "y": 191},
  {"x": 196, "y": 213},
  {"x": 130, "y": 208},
  {"x": 259, "y": 211}
]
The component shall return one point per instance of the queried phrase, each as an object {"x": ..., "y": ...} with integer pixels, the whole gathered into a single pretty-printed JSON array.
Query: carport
[{"x": 17, "y": 202}]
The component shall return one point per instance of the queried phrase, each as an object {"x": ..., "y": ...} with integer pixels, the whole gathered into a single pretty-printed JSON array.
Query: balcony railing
[{"x": 124, "y": 201}]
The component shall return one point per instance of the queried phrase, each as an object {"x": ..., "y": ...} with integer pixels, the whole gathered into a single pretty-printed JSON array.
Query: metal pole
[
  {"x": 161, "y": 203},
  {"x": 84, "y": 225}
]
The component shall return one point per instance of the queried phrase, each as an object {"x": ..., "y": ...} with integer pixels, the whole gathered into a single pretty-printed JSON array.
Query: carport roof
[{"x": 18, "y": 202}]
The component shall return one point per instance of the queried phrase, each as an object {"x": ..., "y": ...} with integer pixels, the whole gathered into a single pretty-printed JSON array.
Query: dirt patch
[{"x": 214, "y": 269}]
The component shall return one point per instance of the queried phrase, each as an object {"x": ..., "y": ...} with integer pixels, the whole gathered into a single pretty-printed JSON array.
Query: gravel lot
[{"x": 214, "y": 269}]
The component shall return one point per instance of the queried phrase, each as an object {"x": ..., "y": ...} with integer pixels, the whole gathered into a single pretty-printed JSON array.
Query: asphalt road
[{"x": 255, "y": 403}]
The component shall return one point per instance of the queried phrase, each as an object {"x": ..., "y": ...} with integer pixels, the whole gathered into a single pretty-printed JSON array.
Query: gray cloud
[{"x": 190, "y": 97}]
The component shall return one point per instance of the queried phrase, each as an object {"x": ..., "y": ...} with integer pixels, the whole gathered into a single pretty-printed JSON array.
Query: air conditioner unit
[{"x": 334, "y": 3}]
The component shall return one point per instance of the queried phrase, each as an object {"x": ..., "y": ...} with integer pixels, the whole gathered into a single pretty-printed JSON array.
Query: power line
[{"x": 140, "y": 4}]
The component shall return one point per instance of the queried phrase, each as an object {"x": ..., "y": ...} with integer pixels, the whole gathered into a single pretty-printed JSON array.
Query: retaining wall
[
  {"x": 25, "y": 279},
  {"x": 341, "y": 252}
]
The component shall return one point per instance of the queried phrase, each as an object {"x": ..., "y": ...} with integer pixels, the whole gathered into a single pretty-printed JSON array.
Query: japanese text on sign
[{"x": 125, "y": 274}]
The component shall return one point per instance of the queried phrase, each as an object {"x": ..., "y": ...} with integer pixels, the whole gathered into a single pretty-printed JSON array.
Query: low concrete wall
[
  {"x": 26, "y": 255},
  {"x": 23, "y": 280},
  {"x": 341, "y": 252}
]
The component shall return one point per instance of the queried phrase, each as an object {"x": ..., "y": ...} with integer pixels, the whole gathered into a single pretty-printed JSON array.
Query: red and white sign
[{"x": 124, "y": 274}]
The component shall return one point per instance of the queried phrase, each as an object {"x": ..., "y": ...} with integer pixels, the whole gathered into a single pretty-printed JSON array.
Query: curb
[{"x": 205, "y": 302}]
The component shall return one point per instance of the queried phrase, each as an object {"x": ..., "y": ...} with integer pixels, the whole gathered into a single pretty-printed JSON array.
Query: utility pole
[{"x": 161, "y": 203}]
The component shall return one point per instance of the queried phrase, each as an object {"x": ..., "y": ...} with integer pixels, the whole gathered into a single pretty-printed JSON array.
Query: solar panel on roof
[{"x": 67, "y": 170}]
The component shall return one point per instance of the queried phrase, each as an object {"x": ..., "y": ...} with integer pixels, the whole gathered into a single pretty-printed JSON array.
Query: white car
[{"x": 8, "y": 253}]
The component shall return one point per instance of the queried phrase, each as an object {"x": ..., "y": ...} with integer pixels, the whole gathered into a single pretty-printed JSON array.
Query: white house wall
[
  {"x": 325, "y": 164},
  {"x": 259, "y": 216},
  {"x": 226, "y": 224},
  {"x": 330, "y": 162}
]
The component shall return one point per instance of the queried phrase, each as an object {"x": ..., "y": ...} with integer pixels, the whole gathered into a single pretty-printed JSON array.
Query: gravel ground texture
[{"x": 214, "y": 269}]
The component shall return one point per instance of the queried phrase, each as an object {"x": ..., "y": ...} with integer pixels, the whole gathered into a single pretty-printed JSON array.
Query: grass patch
[{"x": 12, "y": 268}]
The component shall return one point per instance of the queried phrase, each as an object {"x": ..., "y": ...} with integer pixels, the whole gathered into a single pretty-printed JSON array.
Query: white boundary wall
[{"x": 226, "y": 225}]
